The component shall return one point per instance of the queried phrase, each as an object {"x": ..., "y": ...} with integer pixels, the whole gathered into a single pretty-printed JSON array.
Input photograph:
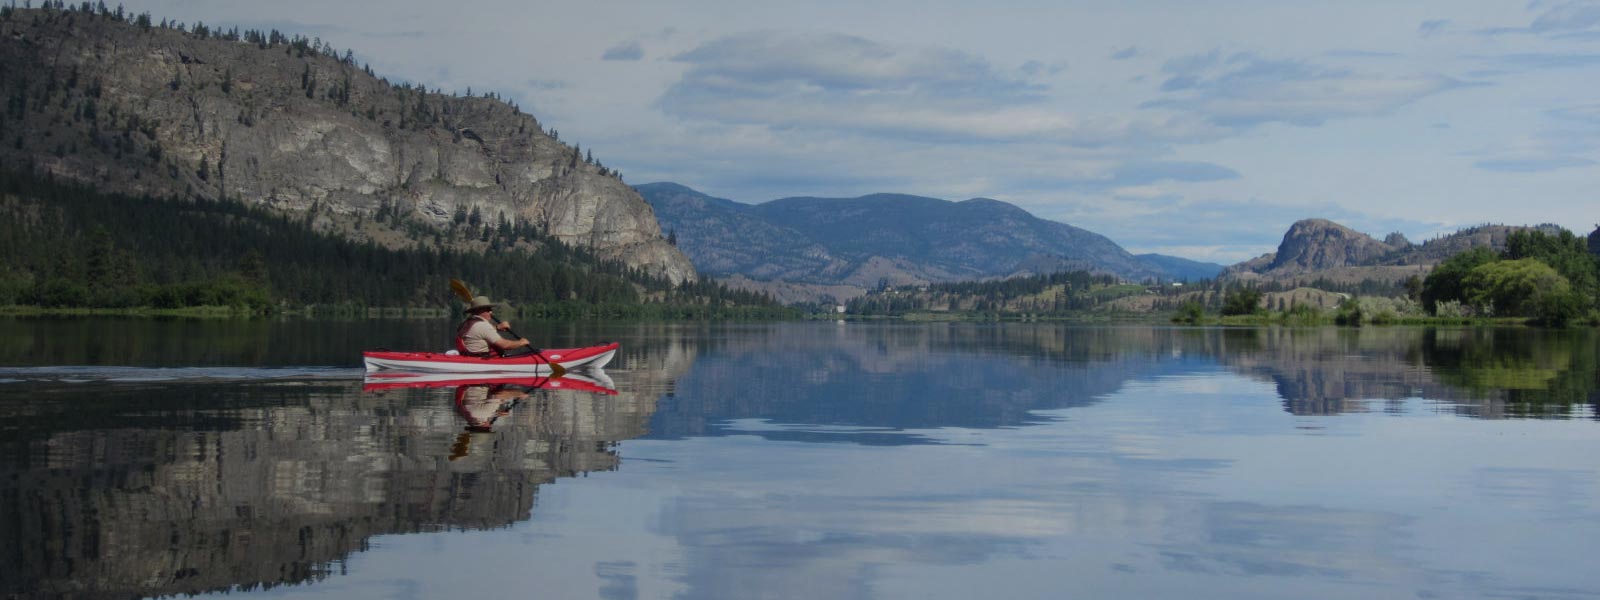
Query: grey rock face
[
  {"x": 1315, "y": 244},
  {"x": 169, "y": 113}
]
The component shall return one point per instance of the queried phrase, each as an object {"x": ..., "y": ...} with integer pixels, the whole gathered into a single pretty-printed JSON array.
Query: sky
[{"x": 1196, "y": 129}]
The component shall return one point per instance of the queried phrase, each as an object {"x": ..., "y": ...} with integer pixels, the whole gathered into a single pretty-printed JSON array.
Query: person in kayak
[{"x": 479, "y": 334}]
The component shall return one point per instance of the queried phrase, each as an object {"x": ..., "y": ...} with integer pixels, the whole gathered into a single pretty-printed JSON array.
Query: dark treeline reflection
[{"x": 113, "y": 490}]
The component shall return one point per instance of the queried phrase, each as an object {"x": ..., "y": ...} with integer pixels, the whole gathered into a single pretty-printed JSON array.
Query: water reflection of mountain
[
  {"x": 868, "y": 384},
  {"x": 180, "y": 489}
]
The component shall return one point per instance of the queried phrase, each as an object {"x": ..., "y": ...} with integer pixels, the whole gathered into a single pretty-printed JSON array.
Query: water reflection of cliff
[{"x": 178, "y": 489}]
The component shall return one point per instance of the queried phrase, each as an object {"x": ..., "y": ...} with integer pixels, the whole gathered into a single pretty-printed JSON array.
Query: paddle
[{"x": 465, "y": 293}]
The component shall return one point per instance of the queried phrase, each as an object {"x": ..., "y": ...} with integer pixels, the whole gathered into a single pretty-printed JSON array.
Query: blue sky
[{"x": 1200, "y": 129}]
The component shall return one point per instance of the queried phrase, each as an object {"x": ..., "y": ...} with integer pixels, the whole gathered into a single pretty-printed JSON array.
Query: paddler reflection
[
  {"x": 485, "y": 401},
  {"x": 482, "y": 405}
]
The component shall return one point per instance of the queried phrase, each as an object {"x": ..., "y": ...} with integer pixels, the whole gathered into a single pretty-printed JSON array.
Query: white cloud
[
  {"x": 629, "y": 50},
  {"x": 1244, "y": 90},
  {"x": 1566, "y": 17}
]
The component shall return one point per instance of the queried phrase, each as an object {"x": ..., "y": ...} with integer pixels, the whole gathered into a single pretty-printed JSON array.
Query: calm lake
[{"x": 803, "y": 460}]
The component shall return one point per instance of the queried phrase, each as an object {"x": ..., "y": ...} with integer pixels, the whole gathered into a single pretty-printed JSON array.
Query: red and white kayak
[
  {"x": 595, "y": 382},
  {"x": 592, "y": 357}
]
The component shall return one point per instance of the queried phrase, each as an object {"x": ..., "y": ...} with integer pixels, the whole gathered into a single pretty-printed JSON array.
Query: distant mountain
[
  {"x": 896, "y": 238},
  {"x": 1322, "y": 249},
  {"x": 1181, "y": 268}
]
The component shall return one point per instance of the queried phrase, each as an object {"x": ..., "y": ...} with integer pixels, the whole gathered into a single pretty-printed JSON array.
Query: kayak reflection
[{"x": 483, "y": 399}]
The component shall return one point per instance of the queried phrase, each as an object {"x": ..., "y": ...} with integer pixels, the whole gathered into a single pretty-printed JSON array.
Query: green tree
[
  {"x": 1568, "y": 254},
  {"x": 1190, "y": 312},
  {"x": 1241, "y": 301},
  {"x": 1514, "y": 287},
  {"x": 1444, "y": 283}
]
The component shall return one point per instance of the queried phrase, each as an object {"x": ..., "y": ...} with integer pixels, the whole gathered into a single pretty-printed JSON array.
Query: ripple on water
[{"x": 86, "y": 374}]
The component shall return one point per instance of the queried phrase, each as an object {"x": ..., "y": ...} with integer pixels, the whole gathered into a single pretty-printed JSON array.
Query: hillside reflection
[{"x": 127, "y": 491}]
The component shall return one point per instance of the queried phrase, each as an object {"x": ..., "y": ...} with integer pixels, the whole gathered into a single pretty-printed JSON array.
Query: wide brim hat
[{"x": 479, "y": 303}]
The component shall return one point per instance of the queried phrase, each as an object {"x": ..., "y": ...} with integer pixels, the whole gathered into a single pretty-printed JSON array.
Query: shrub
[
  {"x": 1445, "y": 282},
  {"x": 1190, "y": 312},
  {"x": 1453, "y": 308},
  {"x": 1243, "y": 301},
  {"x": 1559, "y": 309},
  {"x": 1515, "y": 287},
  {"x": 1349, "y": 313}
]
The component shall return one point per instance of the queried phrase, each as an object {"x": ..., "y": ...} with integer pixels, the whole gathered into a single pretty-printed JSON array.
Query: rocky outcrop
[
  {"x": 1322, "y": 249},
  {"x": 130, "y": 107},
  {"x": 1315, "y": 244}
]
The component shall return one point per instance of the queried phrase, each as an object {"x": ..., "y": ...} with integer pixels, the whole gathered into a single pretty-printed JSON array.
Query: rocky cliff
[{"x": 129, "y": 106}]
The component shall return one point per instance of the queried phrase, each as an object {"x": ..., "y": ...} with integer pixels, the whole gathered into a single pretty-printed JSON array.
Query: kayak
[
  {"x": 594, "y": 382},
  {"x": 592, "y": 357}
]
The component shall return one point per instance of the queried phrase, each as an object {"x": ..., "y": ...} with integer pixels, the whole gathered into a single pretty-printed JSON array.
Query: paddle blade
[
  {"x": 556, "y": 370},
  {"x": 462, "y": 291}
]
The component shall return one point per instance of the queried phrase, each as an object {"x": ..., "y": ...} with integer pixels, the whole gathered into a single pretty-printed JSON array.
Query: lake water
[{"x": 803, "y": 460}]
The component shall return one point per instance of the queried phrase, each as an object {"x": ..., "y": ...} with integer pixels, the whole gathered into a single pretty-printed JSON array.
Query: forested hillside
[
  {"x": 146, "y": 106},
  {"x": 66, "y": 245}
]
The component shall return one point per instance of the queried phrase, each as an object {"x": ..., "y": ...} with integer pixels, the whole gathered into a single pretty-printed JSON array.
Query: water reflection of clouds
[{"x": 1166, "y": 486}]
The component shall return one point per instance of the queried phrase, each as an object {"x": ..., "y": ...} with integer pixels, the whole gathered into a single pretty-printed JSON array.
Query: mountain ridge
[{"x": 884, "y": 238}]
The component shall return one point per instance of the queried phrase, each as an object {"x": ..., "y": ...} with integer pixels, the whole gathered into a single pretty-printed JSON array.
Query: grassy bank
[
  {"x": 191, "y": 312},
  {"x": 1332, "y": 320}
]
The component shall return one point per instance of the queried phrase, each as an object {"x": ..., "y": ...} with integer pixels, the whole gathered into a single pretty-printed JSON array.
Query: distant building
[{"x": 838, "y": 308}]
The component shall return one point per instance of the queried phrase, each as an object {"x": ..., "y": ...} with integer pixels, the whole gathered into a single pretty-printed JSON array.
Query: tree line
[
  {"x": 1047, "y": 294},
  {"x": 1550, "y": 278},
  {"x": 65, "y": 245}
]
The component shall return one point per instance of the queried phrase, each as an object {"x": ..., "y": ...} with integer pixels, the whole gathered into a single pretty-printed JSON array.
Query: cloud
[
  {"x": 861, "y": 87},
  {"x": 546, "y": 84},
  {"x": 1235, "y": 229},
  {"x": 1432, "y": 27},
  {"x": 1589, "y": 113},
  {"x": 628, "y": 51},
  {"x": 774, "y": 64},
  {"x": 1035, "y": 68},
  {"x": 1563, "y": 19},
  {"x": 1533, "y": 165},
  {"x": 1566, "y": 17},
  {"x": 1535, "y": 61},
  {"x": 1243, "y": 90},
  {"x": 1125, "y": 53},
  {"x": 1545, "y": 151},
  {"x": 1360, "y": 54}
]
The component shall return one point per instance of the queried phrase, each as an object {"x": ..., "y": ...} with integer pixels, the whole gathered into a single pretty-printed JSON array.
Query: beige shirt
[{"x": 479, "y": 337}]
